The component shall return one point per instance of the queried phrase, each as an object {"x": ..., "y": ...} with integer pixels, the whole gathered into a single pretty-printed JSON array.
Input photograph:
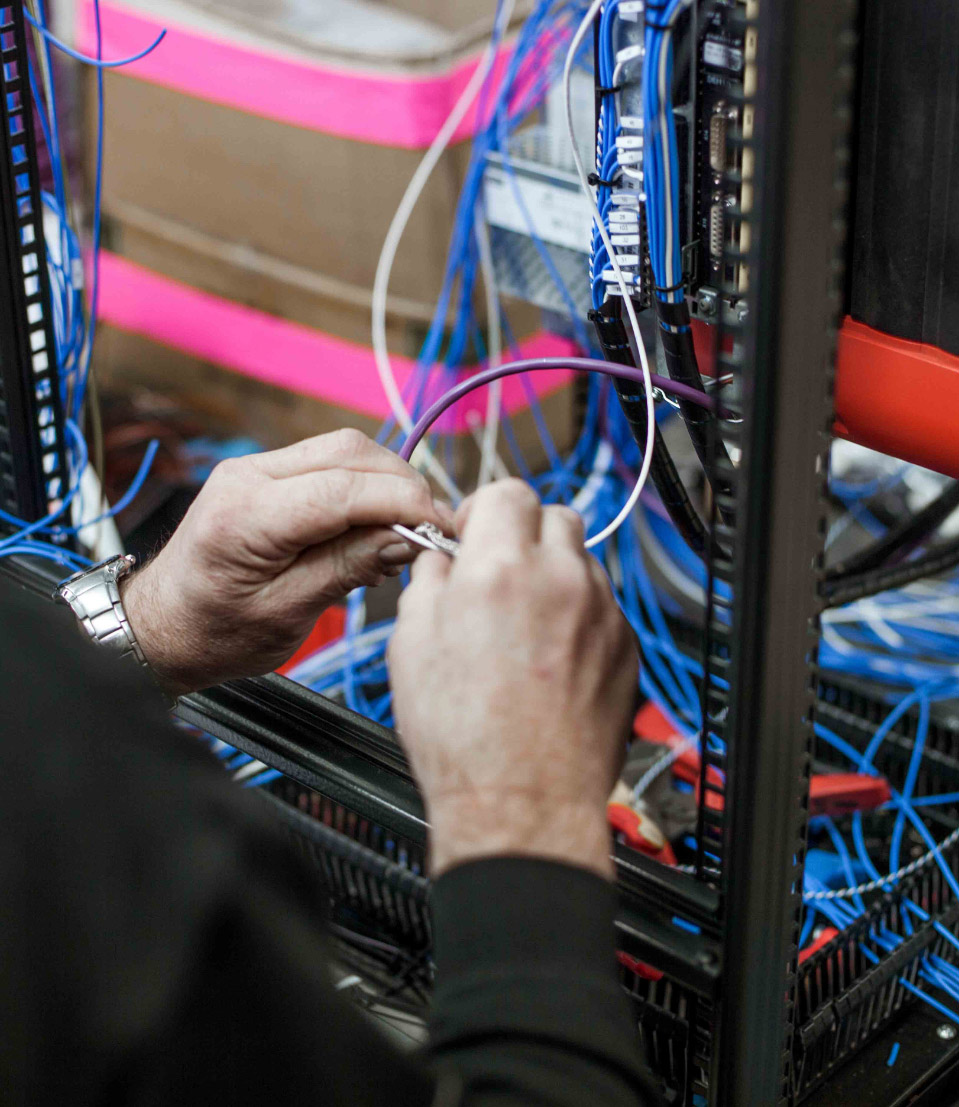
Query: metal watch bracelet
[{"x": 93, "y": 595}]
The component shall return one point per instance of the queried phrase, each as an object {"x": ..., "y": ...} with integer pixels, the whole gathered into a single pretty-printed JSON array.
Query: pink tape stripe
[
  {"x": 385, "y": 110},
  {"x": 277, "y": 351}
]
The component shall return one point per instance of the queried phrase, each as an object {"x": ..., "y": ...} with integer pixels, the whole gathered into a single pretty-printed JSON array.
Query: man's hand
[
  {"x": 271, "y": 540},
  {"x": 514, "y": 676}
]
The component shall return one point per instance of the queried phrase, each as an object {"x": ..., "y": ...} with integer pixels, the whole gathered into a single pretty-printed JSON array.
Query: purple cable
[{"x": 512, "y": 368}]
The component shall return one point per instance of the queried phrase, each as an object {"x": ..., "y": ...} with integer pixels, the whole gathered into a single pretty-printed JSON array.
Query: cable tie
[
  {"x": 600, "y": 182},
  {"x": 609, "y": 90}
]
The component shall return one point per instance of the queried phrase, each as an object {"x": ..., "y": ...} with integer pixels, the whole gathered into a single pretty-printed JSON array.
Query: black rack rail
[{"x": 33, "y": 471}]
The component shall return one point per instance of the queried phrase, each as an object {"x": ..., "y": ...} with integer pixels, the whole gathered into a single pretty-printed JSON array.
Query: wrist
[
  {"x": 515, "y": 824},
  {"x": 161, "y": 643}
]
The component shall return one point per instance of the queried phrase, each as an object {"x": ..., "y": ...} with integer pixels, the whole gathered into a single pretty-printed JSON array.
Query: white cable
[
  {"x": 896, "y": 612},
  {"x": 329, "y": 658},
  {"x": 250, "y": 769},
  {"x": 416, "y": 539},
  {"x": 490, "y": 460},
  {"x": 391, "y": 243},
  {"x": 101, "y": 538},
  {"x": 348, "y": 982},
  {"x": 836, "y": 640},
  {"x": 662, "y": 764},
  {"x": 602, "y": 462},
  {"x": 627, "y": 508},
  {"x": 873, "y": 617}
]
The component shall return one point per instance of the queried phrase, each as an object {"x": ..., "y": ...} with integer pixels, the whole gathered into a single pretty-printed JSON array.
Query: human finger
[
  {"x": 311, "y": 508},
  {"x": 430, "y": 569},
  {"x": 501, "y": 517},
  {"x": 346, "y": 448},
  {"x": 562, "y": 527}
]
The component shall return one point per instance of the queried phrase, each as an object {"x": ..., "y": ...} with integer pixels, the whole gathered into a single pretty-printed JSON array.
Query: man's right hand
[{"x": 514, "y": 675}]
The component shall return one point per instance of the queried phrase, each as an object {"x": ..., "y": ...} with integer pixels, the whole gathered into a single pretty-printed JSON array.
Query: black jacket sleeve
[{"x": 159, "y": 942}]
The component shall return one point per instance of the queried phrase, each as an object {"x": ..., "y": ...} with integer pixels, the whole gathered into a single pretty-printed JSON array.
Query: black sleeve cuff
[
  {"x": 526, "y": 947},
  {"x": 523, "y": 913}
]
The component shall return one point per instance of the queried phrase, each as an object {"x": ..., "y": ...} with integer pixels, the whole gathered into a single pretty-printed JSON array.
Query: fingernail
[{"x": 397, "y": 553}]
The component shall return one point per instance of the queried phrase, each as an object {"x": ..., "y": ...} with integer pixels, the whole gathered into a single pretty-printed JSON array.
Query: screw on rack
[
  {"x": 708, "y": 305},
  {"x": 946, "y": 1031}
]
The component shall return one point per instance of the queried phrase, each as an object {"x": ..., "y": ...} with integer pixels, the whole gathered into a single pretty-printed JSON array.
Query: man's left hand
[{"x": 271, "y": 540}]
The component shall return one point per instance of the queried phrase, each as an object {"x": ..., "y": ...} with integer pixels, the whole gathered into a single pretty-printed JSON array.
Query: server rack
[{"x": 734, "y": 1021}]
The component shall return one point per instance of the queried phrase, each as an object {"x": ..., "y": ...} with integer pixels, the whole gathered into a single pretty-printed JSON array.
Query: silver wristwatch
[{"x": 94, "y": 597}]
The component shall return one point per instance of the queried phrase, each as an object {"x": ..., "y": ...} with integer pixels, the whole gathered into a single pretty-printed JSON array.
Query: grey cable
[{"x": 874, "y": 885}]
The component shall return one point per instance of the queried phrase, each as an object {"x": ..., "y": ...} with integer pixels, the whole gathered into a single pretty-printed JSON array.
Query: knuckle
[
  {"x": 221, "y": 503},
  {"x": 231, "y": 470},
  {"x": 338, "y": 485},
  {"x": 349, "y": 441},
  {"x": 511, "y": 491}
]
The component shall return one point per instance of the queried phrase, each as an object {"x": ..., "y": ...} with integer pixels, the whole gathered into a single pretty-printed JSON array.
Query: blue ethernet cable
[{"x": 98, "y": 61}]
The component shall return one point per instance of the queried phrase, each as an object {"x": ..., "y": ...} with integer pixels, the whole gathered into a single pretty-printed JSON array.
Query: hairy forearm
[{"x": 169, "y": 644}]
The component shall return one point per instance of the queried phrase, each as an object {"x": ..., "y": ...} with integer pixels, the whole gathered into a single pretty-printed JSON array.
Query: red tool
[
  {"x": 823, "y": 938},
  {"x": 829, "y": 793},
  {"x": 843, "y": 793},
  {"x": 640, "y": 968},
  {"x": 872, "y": 407},
  {"x": 640, "y": 832}
]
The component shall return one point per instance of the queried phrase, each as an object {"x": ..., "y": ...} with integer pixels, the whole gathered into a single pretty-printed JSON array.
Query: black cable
[
  {"x": 902, "y": 539},
  {"x": 684, "y": 51},
  {"x": 396, "y": 877},
  {"x": 835, "y": 593},
  {"x": 614, "y": 342},
  {"x": 682, "y": 367}
]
